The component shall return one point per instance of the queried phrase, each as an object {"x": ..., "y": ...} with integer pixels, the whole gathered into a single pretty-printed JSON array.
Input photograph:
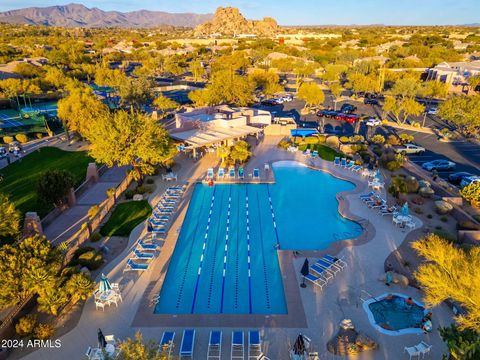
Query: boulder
[
  {"x": 137, "y": 197},
  {"x": 426, "y": 192},
  {"x": 423, "y": 183},
  {"x": 443, "y": 207}
]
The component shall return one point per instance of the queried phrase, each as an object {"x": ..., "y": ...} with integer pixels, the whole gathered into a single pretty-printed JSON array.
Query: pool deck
[{"x": 319, "y": 312}]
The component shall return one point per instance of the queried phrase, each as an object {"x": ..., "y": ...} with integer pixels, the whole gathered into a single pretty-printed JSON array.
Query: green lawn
[
  {"x": 125, "y": 217},
  {"x": 21, "y": 177},
  {"x": 324, "y": 152}
]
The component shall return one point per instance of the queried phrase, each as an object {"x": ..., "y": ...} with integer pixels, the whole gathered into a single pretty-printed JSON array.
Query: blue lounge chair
[
  {"x": 327, "y": 266},
  {"x": 254, "y": 345},
  {"x": 210, "y": 173},
  {"x": 241, "y": 173},
  {"x": 357, "y": 168},
  {"x": 238, "y": 346},
  {"x": 336, "y": 261},
  {"x": 143, "y": 255},
  {"x": 221, "y": 173},
  {"x": 166, "y": 344},
  {"x": 366, "y": 196},
  {"x": 316, "y": 280},
  {"x": 349, "y": 165},
  {"x": 132, "y": 265},
  {"x": 326, "y": 275},
  {"x": 231, "y": 173},
  {"x": 256, "y": 173},
  {"x": 343, "y": 162},
  {"x": 314, "y": 154},
  {"x": 214, "y": 351},
  {"x": 147, "y": 246},
  {"x": 336, "y": 162},
  {"x": 161, "y": 217},
  {"x": 188, "y": 343}
]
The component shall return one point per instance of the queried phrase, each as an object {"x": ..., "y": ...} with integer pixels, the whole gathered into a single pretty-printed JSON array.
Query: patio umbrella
[
  {"x": 404, "y": 210},
  {"x": 378, "y": 177},
  {"x": 104, "y": 285},
  {"x": 102, "y": 342},
  {"x": 299, "y": 346},
  {"x": 304, "y": 271}
]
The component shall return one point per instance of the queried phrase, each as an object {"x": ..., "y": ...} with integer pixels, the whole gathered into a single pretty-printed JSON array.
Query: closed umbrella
[
  {"x": 104, "y": 285},
  {"x": 305, "y": 271},
  {"x": 299, "y": 346},
  {"x": 102, "y": 342},
  {"x": 404, "y": 211}
]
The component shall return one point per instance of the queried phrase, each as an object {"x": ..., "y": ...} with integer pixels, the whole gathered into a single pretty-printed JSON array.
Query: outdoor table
[
  {"x": 107, "y": 295},
  {"x": 110, "y": 349},
  {"x": 403, "y": 219}
]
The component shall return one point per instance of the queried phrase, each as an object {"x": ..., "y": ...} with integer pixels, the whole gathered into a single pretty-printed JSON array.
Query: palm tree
[{"x": 80, "y": 286}]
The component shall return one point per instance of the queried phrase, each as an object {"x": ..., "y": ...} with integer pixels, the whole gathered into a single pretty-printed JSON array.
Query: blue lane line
[
  {"x": 267, "y": 288},
  {"x": 182, "y": 284},
  {"x": 248, "y": 253},
  {"x": 203, "y": 250},
  {"x": 225, "y": 253},
  {"x": 273, "y": 217}
]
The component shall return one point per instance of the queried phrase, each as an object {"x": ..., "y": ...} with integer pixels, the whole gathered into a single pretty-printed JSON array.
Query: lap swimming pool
[{"x": 225, "y": 258}]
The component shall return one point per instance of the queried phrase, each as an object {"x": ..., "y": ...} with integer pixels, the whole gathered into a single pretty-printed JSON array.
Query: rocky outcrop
[
  {"x": 443, "y": 207},
  {"x": 348, "y": 341},
  {"x": 229, "y": 21}
]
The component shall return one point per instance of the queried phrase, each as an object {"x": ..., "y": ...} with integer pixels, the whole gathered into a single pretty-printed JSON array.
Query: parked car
[
  {"x": 270, "y": 102},
  {"x": 439, "y": 165},
  {"x": 370, "y": 101},
  {"x": 432, "y": 111},
  {"x": 372, "y": 121},
  {"x": 327, "y": 113},
  {"x": 348, "y": 108},
  {"x": 457, "y": 177},
  {"x": 14, "y": 146},
  {"x": 409, "y": 149},
  {"x": 286, "y": 98},
  {"x": 3, "y": 152},
  {"x": 469, "y": 180}
]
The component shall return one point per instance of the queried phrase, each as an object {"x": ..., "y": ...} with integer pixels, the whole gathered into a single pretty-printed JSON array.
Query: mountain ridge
[{"x": 78, "y": 15}]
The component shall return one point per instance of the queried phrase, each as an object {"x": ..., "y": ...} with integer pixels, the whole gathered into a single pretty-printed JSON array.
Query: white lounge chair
[{"x": 238, "y": 346}]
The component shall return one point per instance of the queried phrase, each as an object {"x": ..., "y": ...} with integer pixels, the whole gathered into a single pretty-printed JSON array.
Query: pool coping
[
  {"x": 371, "y": 318},
  {"x": 295, "y": 317}
]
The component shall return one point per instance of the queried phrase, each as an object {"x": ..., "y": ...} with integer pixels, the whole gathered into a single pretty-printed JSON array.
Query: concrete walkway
[
  {"x": 324, "y": 309},
  {"x": 70, "y": 221}
]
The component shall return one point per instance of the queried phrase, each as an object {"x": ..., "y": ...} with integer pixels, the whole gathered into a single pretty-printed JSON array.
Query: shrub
[
  {"x": 378, "y": 139},
  {"x": 471, "y": 193},
  {"x": 284, "y": 144},
  {"x": 150, "y": 181},
  {"x": 393, "y": 140},
  {"x": 26, "y": 325},
  {"x": 95, "y": 237},
  {"x": 39, "y": 135},
  {"x": 332, "y": 141},
  {"x": 468, "y": 225},
  {"x": 21, "y": 138},
  {"x": 365, "y": 156},
  {"x": 111, "y": 192},
  {"x": 393, "y": 165},
  {"x": 412, "y": 185},
  {"x": 322, "y": 139},
  {"x": 169, "y": 163},
  {"x": 93, "y": 211},
  {"x": 143, "y": 189},
  {"x": 418, "y": 210},
  {"x": 397, "y": 186},
  {"x": 43, "y": 331},
  {"x": 310, "y": 140},
  {"x": 356, "y": 139},
  {"x": 406, "y": 138},
  {"x": 443, "y": 218},
  {"x": 82, "y": 250},
  {"x": 91, "y": 259},
  {"x": 429, "y": 216},
  {"x": 7, "y": 139},
  {"x": 477, "y": 217},
  {"x": 129, "y": 194},
  {"x": 415, "y": 124},
  {"x": 344, "y": 139}
]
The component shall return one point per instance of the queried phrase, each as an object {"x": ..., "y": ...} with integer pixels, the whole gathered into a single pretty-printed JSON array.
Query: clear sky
[{"x": 302, "y": 12}]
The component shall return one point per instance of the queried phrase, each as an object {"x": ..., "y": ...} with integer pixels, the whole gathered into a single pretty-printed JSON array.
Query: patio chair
[
  {"x": 412, "y": 351},
  {"x": 410, "y": 224},
  {"x": 322, "y": 272},
  {"x": 147, "y": 246},
  {"x": 367, "y": 196},
  {"x": 142, "y": 255},
  {"x": 316, "y": 280},
  {"x": 314, "y": 154},
  {"x": 338, "y": 262},
  {"x": 110, "y": 339},
  {"x": 256, "y": 173},
  {"x": 221, "y": 173},
  {"x": 357, "y": 168},
  {"x": 424, "y": 348},
  {"x": 254, "y": 345},
  {"x": 99, "y": 304},
  {"x": 343, "y": 162},
  {"x": 214, "y": 351},
  {"x": 187, "y": 345},
  {"x": 307, "y": 152},
  {"x": 231, "y": 172},
  {"x": 94, "y": 353},
  {"x": 238, "y": 346},
  {"x": 166, "y": 343},
  {"x": 396, "y": 221},
  {"x": 210, "y": 174},
  {"x": 132, "y": 265},
  {"x": 241, "y": 173},
  {"x": 328, "y": 266},
  {"x": 112, "y": 300},
  {"x": 349, "y": 164},
  {"x": 336, "y": 162}
]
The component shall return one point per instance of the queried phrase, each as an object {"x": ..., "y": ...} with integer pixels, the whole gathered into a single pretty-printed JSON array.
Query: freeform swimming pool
[{"x": 225, "y": 260}]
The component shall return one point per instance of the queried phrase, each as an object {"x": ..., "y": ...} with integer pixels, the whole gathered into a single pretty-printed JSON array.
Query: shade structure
[
  {"x": 104, "y": 285},
  {"x": 404, "y": 211}
]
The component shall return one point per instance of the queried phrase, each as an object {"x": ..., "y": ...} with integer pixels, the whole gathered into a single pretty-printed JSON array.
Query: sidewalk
[{"x": 70, "y": 221}]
